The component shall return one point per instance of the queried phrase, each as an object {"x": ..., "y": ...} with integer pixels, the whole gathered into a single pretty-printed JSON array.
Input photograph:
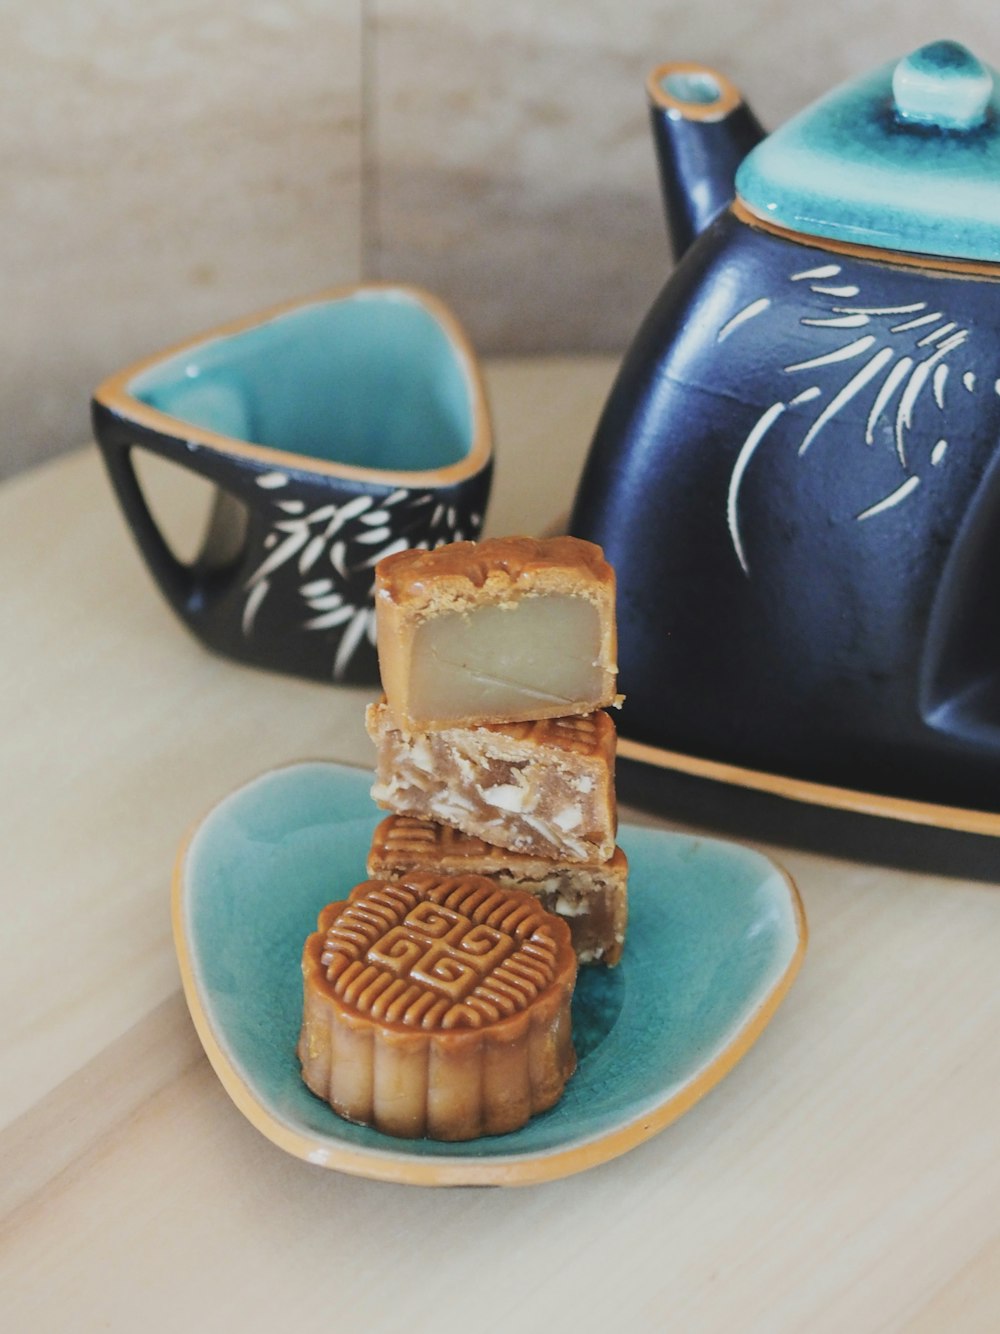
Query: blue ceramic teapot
[{"x": 797, "y": 473}]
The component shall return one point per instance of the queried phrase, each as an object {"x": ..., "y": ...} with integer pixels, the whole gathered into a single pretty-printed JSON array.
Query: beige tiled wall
[
  {"x": 514, "y": 167},
  {"x": 173, "y": 164},
  {"x": 165, "y": 166}
]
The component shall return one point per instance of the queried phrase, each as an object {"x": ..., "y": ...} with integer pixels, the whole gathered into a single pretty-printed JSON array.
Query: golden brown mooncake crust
[
  {"x": 468, "y": 570},
  {"x": 437, "y": 1006},
  {"x": 590, "y": 734},
  {"x": 592, "y": 897}
]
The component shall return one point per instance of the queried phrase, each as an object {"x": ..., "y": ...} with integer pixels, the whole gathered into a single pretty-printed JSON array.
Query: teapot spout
[{"x": 702, "y": 129}]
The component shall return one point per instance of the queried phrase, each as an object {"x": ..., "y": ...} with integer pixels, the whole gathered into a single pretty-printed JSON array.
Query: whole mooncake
[{"x": 438, "y": 1006}]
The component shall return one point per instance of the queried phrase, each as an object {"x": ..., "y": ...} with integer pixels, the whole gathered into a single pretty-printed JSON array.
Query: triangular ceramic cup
[{"x": 338, "y": 429}]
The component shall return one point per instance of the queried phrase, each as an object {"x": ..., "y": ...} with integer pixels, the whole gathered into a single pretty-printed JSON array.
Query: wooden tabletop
[{"x": 845, "y": 1177}]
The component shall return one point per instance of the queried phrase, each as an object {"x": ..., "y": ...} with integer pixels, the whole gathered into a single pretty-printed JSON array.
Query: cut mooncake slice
[
  {"x": 438, "y": 1007},
  {"x": 591, "y": 896},
  {"x": 545, "y": 788},
  {"x": 498, "y": 631}
]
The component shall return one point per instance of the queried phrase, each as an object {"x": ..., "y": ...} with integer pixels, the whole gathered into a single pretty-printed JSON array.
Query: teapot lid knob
[{"x": 942, "y": 85}]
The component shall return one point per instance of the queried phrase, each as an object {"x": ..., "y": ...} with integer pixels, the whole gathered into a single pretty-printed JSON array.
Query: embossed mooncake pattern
[{"x": 438, "y": 1006}]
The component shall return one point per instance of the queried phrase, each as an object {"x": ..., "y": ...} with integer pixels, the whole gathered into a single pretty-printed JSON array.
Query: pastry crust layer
[{"x": 496, "y": 568}]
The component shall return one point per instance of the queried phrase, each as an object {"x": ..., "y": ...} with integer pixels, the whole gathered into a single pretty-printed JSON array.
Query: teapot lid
[{"x": 907, "y": 158}]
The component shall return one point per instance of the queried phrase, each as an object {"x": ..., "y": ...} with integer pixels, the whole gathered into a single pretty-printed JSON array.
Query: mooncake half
[
  {"x": 438, "y": 1007},
  {"x": 545, "y": 788},
  {"x": 504, "y": 630}
]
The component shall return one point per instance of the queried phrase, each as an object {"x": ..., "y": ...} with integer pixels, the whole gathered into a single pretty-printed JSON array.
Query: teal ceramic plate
[{"x": 716, "y": 934}]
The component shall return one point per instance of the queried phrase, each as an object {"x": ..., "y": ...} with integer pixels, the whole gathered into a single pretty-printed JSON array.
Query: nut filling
[{"x": 545, "y": 788}]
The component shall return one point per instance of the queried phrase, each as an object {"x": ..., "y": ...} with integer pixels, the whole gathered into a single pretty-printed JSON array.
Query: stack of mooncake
[
  {"x": 437, "y": 995},
  {"x": 495, "y": 754}
]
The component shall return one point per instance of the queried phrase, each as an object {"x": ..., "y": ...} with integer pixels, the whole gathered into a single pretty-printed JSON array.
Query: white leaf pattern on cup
[{"x": 343, "y": 536}]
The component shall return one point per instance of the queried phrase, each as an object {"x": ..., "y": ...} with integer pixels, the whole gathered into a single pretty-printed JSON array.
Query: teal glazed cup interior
[{"x": 336, "y": 430}]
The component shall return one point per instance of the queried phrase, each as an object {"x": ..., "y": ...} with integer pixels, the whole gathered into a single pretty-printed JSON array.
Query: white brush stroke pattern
[
  {"x": 845, "y": 353},
  {"x": 888, "y": 370},
  {"x": 347, "y": 540},
  {"x": 747, "y": 313},
  {"x": 840, "y": 400},
  {"x": 824, "y": 271},
  {"x": 763, "y": 425},
  {"x": 891, "y": 500}
]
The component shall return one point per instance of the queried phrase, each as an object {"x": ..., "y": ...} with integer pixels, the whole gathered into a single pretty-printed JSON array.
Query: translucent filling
[{"x": 542, "y": 650}]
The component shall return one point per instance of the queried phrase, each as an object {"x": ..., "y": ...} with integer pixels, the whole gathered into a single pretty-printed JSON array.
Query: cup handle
[{"x": 188, "y": 588}]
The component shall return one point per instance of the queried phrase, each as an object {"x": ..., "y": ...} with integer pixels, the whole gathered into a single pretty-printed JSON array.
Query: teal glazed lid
[{"x": 907, "y": 158}]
